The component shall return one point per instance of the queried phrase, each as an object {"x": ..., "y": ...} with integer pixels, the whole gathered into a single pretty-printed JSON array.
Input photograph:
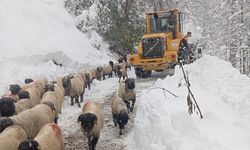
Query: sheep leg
[
  {"x": 81, "y": 97},
  {"x": 94, "y": 142},
  {"x": 103, "y": 77},
  {"x": 133, "y": 104},
  {"x": 128, "y": 104},
  {"x": 72, "y": 101},
  {"x": 89, "y": 85},
  {"x": 55, "y": 120},
  {"x": 77, "y": 101},
  {"x": 120, "y": 132},
  {"x": 89, "y": 143},
  {"x": 114, "y": 120}
]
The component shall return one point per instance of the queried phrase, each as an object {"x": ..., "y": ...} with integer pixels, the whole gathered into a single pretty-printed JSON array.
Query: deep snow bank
[
  {"x": 162, "y": 123},
  {"x": 35, "y": 32},
  {"x": 30, "y": 27}
]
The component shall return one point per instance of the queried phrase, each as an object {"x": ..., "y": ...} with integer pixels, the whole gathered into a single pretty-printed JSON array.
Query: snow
[
  {"x": 223, "y": 96},
  {"x": 33, "y": 32}
]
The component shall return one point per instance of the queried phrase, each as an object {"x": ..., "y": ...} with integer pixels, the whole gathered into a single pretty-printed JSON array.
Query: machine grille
[{"x": 153, "y": 47}]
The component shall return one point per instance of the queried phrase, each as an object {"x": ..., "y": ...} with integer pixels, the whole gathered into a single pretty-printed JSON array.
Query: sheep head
[
  {"x": 14, "y": 88},
  {"x": 99, "y": 69},
  {"x": 4, "y": 123},
  {"x": 87, "y": 76},
  {"x": 23, "y": 95},
  {"x": 7, "y": 106},
  {"x": 28, "y": 80},
  {"x": 66, "y": 83},
  {"x": 122, "y": 119},
  {"x": 111, "y": 63},
  {"x": 130, "y": 83},
  {"x": 88, "y": 121},
  {"x": 49, "y": 87},
  {"x": 29, "y": 145}
]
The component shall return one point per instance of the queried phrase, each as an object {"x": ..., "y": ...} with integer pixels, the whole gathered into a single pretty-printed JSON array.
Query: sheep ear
[{"x": 80, "y": 118}]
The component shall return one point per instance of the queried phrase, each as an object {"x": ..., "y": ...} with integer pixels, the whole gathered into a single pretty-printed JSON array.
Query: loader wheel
[
  {"x": 170, "y": 71},
  {"x": 138, "y": 72},
  {"x": 146, "y": 74}
]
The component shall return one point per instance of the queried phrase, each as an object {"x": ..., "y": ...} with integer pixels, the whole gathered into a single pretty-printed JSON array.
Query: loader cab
[{"x": 164, "y": 22}]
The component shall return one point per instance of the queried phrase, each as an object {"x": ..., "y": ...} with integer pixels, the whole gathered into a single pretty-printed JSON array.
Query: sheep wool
[
  {"x": 33, "y": 119},
  {"x": 119, "y": 112},
  {"x": 11, "y": 137},
  {"x": 93, "y": 107},
  {"x": 24, "y": 104},
  {"x": 48, "y": 138},
  {"x": 50, "y": 96},
  {"x": 118, "y": 106},
  {"x": 107, "y": 70},
  {"x": 92, "y": 120}
]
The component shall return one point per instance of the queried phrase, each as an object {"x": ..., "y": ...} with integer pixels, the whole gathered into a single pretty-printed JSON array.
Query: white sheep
[
  {"x": 74, "y": 87},
  {"x": 35, "y": 94},
  {"x": 31, "y": 120},
  {"x": 48, "y": 138},
  {"x": 92, "y": 120},
  {"x": 93, "y": 73},
  {"x": 11, "y": 137},
  {"x": 50, "y": 96},
  {"x": 126, "y": 91},
  {"x": 24, "y": 102},
  {"x": 39, "y": 83},
  {"x": 119, "y": 112},
  {"x": 59, "y": 90}
]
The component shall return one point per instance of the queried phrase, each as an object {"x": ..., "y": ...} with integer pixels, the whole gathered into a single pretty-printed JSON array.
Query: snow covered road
[{"x": 102, "y": 92}]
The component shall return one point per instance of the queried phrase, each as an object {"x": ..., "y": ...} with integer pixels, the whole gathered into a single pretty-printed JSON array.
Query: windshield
[{"x": 163, "y": 23}]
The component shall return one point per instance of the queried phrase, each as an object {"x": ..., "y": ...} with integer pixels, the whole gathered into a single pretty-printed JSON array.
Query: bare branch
[
  {"x": 163, "y": 89},
  {"x": 190, "y": 93}
]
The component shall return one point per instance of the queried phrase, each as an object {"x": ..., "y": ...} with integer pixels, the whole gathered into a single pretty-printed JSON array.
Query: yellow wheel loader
[{"x": 158, "y": 49}]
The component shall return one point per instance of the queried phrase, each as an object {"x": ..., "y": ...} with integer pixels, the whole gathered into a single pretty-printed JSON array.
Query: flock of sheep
[{"x": 29, "y": 112}]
